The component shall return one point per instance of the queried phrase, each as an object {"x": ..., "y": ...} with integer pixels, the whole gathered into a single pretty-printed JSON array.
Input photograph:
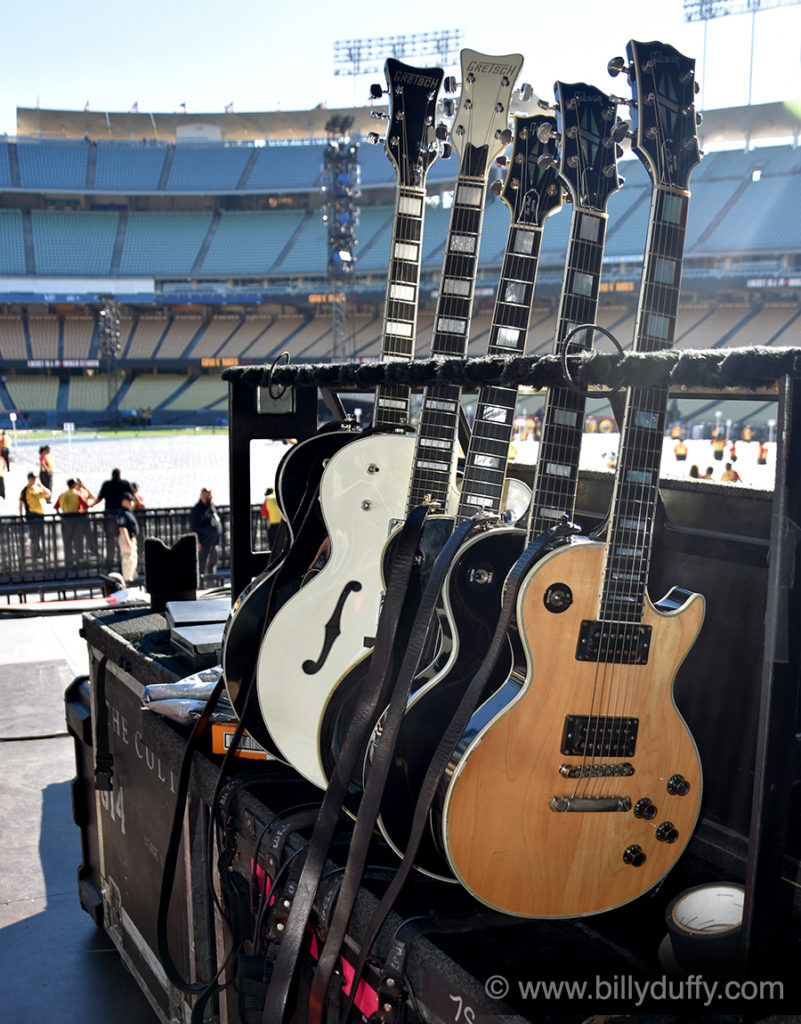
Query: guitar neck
[
  {"x": 637, "y": 479},
  {"x": 435, "y": 449},
  {"x": 400, "y": 310},
  {"x": 556, "y": 477},
  {"x": 487, "y": 453}
]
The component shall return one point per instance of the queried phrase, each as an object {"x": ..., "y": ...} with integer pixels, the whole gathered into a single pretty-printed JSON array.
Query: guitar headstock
[
  {"x": 665, "y": 122},
  {"x": 481, "y": 129},
  {"x": 411, "y": 144},
  {"x": 590, "y": 135},
  {"x": 531, "y": 187}
]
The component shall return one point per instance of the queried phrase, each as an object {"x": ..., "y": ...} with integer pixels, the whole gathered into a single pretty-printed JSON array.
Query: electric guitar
[
  {"x": 411, "y": 145},
  {"x": 532, "y": 192},
  {"x": 371, "y": 486},
  {"x": 577, "y": 786},
  {"x": 472, "y": 594}
]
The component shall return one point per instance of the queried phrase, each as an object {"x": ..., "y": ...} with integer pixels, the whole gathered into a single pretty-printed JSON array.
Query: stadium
[{"x": 208, "y": 234}]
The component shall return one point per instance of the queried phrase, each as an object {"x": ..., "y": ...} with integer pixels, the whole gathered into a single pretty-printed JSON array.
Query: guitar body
[
  {"x": 297, "y": 481},
  {"x": 471, "y": 606},
  {"x": 505, "y": 827},
  {"x": 316, "y": 636},
  {"x": 346, "y": 694}
]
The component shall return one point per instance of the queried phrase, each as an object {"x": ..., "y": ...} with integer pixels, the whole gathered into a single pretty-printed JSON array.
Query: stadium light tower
[
  {"x": 367, "y": 56},
  {"x": 341, "y": 216},
  {"x": 108, "y": 329},
  {"x": 707, "y": 10}
]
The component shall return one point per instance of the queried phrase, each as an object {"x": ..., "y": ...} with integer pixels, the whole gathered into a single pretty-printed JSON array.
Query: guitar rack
[{"x": 740, "y": 691}]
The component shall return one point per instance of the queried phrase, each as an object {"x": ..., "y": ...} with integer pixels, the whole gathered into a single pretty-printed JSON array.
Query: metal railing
[{"x": 82, "y": 549}]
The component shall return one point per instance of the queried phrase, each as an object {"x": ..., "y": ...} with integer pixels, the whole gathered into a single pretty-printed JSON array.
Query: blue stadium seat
[
  {"x": 130, "y": 168},
  {"x": 54, "y": 165},
  {"x": 73, "y": 242}
]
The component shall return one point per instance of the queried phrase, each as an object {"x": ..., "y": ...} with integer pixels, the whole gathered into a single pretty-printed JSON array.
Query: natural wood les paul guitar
[
  {"x": 583, "y": 788},
  {"x": 474, "y": 586}
]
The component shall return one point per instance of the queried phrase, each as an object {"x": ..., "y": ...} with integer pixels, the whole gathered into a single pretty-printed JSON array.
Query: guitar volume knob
[
  {"x": 677, "y": 785},
  {"x": 644, "y": 808},
  {"x": 634, "y": 855},
  {"x": 667, "y": 832}
]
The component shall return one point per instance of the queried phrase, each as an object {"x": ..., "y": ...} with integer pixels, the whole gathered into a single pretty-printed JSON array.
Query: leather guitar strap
[
  {"x": 379, "y": 768},
  {"x": 373, "y": 696},
  {"x": 447, "y": 744}
]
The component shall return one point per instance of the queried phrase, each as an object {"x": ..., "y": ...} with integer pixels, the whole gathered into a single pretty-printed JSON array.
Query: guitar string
[
  {"x": 625, "y": 557},
  {"x": 400, "y": 237},
  {"x": 435, "y": 423},
  {"x": 649, "y": 404}
]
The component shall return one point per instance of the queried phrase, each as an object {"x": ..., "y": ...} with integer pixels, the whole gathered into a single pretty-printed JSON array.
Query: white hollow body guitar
[{"x": 368, "y": 488}]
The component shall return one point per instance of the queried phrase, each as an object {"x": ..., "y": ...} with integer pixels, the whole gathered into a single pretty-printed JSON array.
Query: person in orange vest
[
  {"x": 4, "y": 448},
  {"x": 730, "y": 475},
  {"x": 45, "y": 467},
  {"x": 762, "y": 454},
  {"x": 746, "y": 434},
  {"x": 680, "y": 451},
  {"x": 733, "y": 452},
  {"x": 718, "y": 448}
]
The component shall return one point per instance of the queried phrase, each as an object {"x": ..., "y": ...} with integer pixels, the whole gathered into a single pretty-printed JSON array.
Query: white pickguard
[{"x": 363, "y": 489}]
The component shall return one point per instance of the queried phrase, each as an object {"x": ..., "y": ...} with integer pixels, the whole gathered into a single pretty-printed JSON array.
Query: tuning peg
[
  {"x": 502, "y": 161},
  {"x": 449, "y": 84},
  {"x": 621, "y": 131},
  {"x": 374, "y": 138},
  {"x": 616, "y": 65},
  {"x": 525, "y": 92},
  {"x": 504, "y": 135},
  {"x": 445, "y": 151},
  {"x": 448, "y": 107},
  {"x": 379, "y": 115},
  {"x": 496, "y": 187},
  {"x": 699, "y": 120},
  {"x": 545, "y": 133},
  {"x": 376, "y": 92},
  {"x": 545, "y": 105},
  {"x": 441, "y": 132},
  {"x": 547, "y": 161}
]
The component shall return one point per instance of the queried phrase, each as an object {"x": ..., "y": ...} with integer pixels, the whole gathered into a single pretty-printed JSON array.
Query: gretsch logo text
[
  {"x": 423, "y": 81},
  {"x": 486, "y": 68}
]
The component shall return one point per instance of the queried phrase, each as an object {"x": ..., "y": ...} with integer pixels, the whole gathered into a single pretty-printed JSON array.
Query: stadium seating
[{"x": 233, "y": 224}]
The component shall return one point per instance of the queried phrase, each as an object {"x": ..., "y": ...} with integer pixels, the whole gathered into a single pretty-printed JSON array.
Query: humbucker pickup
[
  {"x": 621, "y": 643},
  {"x": 599, "y": 736}
]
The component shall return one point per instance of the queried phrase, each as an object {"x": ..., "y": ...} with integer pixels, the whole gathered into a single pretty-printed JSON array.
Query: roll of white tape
[{"x": 705, "y": 925}]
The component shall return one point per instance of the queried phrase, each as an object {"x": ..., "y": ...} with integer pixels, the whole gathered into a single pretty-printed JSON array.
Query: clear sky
[{"x": 279, "y": 55}]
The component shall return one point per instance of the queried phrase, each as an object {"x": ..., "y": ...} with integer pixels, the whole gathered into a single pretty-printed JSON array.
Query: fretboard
[
  {"x": 634, "y": 501},
  {"x": 556, "y": 476},
  {"x": 435, "y": 449},
  {"x": 400, "y": 310},
  {"x": 487, "y": 453}
]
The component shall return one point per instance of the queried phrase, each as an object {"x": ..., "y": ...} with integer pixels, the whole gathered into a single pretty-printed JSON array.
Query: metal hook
[
  {"x": 270, "y": 385},
  {"x": 602, "y": 393}
]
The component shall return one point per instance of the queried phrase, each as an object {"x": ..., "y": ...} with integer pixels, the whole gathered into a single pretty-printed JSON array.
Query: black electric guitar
[
  {"x": 329, "y": 625},
  {"x": 532, "y": 192},
  {"x": 411, "y": 145},
  {"x": 474, "y": 584},
  {"x": 577, "y": 785}
]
